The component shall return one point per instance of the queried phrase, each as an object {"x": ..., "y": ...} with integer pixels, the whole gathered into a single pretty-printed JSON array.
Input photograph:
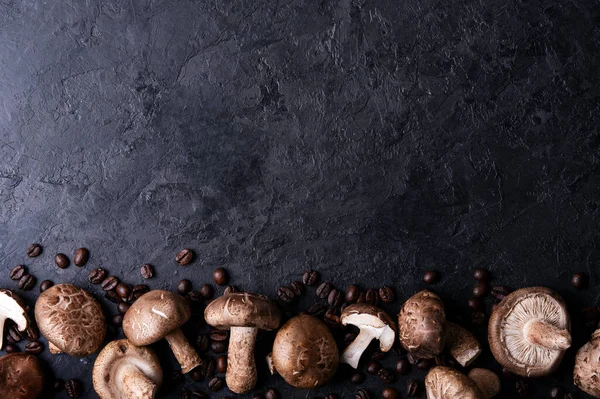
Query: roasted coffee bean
[
  {"x": 185, "y": 394},
  {"x": 386, "y": 294},
  {"x": 480, "y": 290},
  {"x": 202, "y": 342},
  {"x": 73, "y": 388},
  {"x": 147, "y": 271},
  {"x": 412, "y": 388},
  {"x": 344, "y": 306},
  {"x": 216, "y": 384},
  {"x": 184, "y": 256},
  {"x": 481, "y": 275},
  {"x": 297, "y": 287},
  {"x": 11, "y": 348},
  {"x": 230, "y": 290},
  {"x": 357, "y": 377},
  {"x": 389, "y": 393},
  {"x": 34, "y": 250},
  {"x": 331, "y": 318},
  {"x": 431, "y": 277},
  {"x": 34, "y": 348},
  {"x": 362, "y": 394},
  {"x": 219, "y": 335},
  {"x": 335, "y": 298},
  {"x": 137, "y": 291},
  {"x": 221, "y": 276},
  {"x": 184, "y": 286},
  {"x": 478, "y": 318},
  {"x": 61, "y": 261},
  {"x": 113, "y": 297},
  {"x": 209, "y": 367},
  {"x": 122, "y": 307},
  {"x": 362, "y": 297},
  {"x": 372, "y": 297},
  {"x": 579, "y": 280},
  {"x": 26, "y": 282},
  {"x": 221, "y": 364},
  {"x": 349, "y": 337},
  {"x": 14, "y": 334},
  {"x": 476, "y": 304},
  {"x": 32, "y": 332},
  {"x": 324, "y": 289},
  {"x": 271, "y": 394},
  {"x": 310, "y": 277},
  {"x": 17, "y": 272},
  {"x": 352, "y": 293},
  {"x": 117, "y": 320},
  {"x": 81, "y": 257},
  {"x": 207, "y": 291},
  {"x": 557, "y": 393},
  {"x": 199, "y": 395},
  {"x": 110, "y": 283},
  {"x": 58, "y": 385},
  {"x": 522, "y": 388},
  {"x": 123, "y": 290},
  {"x": 195, "y": 296},
  {"x": 317, "y": 309},
  {"x": 44, "y": 285},
  {"x": 373, "y": 367},
  {"x": 412, "y": 359},
  {"x": 285, "y": 294},
  {"x": 197, "y": 374},
  {"x": 218, "y": 347},
  {"x": 424, "y": 364},
  {"x": 386, "y": 376},
  {"x": 97, "y": 275},
  {"x": 377, "y": 355},
  {"x": 500, "y": 292}
]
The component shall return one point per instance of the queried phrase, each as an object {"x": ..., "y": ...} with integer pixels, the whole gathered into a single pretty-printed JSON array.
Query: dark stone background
[{"x": 370, "y": 140}]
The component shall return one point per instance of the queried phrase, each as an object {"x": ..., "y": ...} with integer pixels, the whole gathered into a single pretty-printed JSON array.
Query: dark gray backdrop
[{"x": 370, "y": 140}]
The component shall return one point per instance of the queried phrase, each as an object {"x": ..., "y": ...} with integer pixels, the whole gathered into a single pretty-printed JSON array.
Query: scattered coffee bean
[
  {"x": 122, "y": 307},
  {"x": 362, "y": 394},
  {"x": 317, "y": 309},
  {"x": 480, "y": 290},
  {"x": 117, "y": 320},
  {"x": 377, "y": 355},
  {"x": 522, "y": 388},
  {"x": 386, "y": 294},
  {"x": 285, "y": 294},
  {"x": 58, "y": 385},
  {"x": 209, "y": 367},
  {"x": 207, "y": 291},
  {"x": 123, "y": 290},
  {"x": 110, "y": 283},
  {"x": 194, "y": 296},
  {"x": 389, "y": 393},
  {"x": 324, "y": 289},
  {"x": 73, "y": 388},
  {"x": 97, "y": 275},
  {"x": 27, "y": 282},
  {"x": 218, "y": 347},
  {"x": 34, "y": 250},
  {"x": 219, "y": 335},
  {"x": 184, "y": 286},
  {"x": 310, "y": 277},
  {"x": 44, "y": 285},
  {"x": 32, "y": 332},
  {"x": 372, "y": 297},
  {"x": 184, "y": 256},
  {"x": 11, "y": 348},
  {"x": 478, "y": 318},
  {"x": 216, "y": 384},
  {"x": 500, "y": 292},
  {"x": 476, "y": 304},
  {"x": 61, "y": 261},
  {"x": 373, "y": 367},
  {"x": 202, "y": 342},
  {"x": 557, "y": 393},
  {"x": 579, "y": 281},
  {"x": 412, "y": 388},
  {"x": 331, "y": 318},
  {"x": 357, "y": 377},
  {"x": 362, "y": 297},
  {"x": 147, "y": 271},
  {"x": 221, "y": 276},
  {"x": 14, "y": 334},
  {"x": 424, "y": 364},
  {"x": 17, "y": 272},
  {"x": 431, "y": 277},
  {"x": 81, "y": 257},
  {"x": 481, "y": 275},
  {"x": 271, "y": 394},
  {"x": 221, "y": 364},
  {"x": 197, "y": 374},
  {"x": 335, "y": 297},
  {"x": 34, "y": 348},
  {"x": 113, "y": 297},
  {"x": 297, "y": 287},
  {"x": 199, "y": 395},
  {"x": 230, "y": 290},
  {"x": 137, "y": 291},
  {"x": 352, "y": 293},
  {"x": 386, "y": 376}
]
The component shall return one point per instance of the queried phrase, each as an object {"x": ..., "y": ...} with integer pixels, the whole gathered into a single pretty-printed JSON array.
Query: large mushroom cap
[
  {"x": 243, "y": 310},
  {"x": 305, "y": 353},
  {"x": 71, "y": 319},
  {"x": 13, "y": 308},
  {"x": 447, "y": 383},
  {"x": 21, "y": 376},
  {"x": 154, "y": 315},
  {"x": 586, "y": 373},
  {"x": 122, "y": 369},
  {"x": 529, "y": 331}
]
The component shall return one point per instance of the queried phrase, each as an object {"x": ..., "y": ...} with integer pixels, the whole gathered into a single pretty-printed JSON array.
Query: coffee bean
[
  {"x": 61, "y": 261},
  {"x": 14, "y": 335},
  {"x": 81, "y": 257},
  {"x": 147, "y": 271},
  {"x": 117, "y": 320},
  {"x": 11, "y": 348},
  {"x": 476, "y": 304},
  {"x": 335, "y": 297},
  {"x": 271, "y": 394},
  {"x": 194, "y": 296},
  {"x": 184, "y": 286},
  {"x": 377, "y": 355},
  {"x": 230, "y": 290},
  {"x": 216, "y": 384},
  {"x": 424, "y": 364},
  {"x": 297, "y": 287},
  {"x": 110, "y": 283},
  {"x": 34, "y": 348},
  {"x": 373, "y": 367},
  {"x": 480, "y": 290},
  {"x": 431, "y": 277},
  {"x": 389, "y": 393},
  {"x": 500, "y": 292},
  {"x": 97, "y": 275},
  {"x": 310, "y": 277},
  {"x": 386, "y": 294},
  {"x": 317, "y": 309},
  {"x": 202, "y": 342},
  {"x": 27, "y": 282},
  {"x": 32, "y": 332},
  {"x": 73, "y": 388},
  {"x": 113, "y": 297},
  {"x": 17, "y": 272},
  {"x": 331, "y": 318},
  {"x": 357, "y": 377},
  {"x": 197, "y": 374},
  {"x": 199, "y": 395},
  {"x": 285, "y": 294},
  {"x": 386, "y": 376},
  {"x": 362, "y": 394},
  {"x": 324, "y": 289},
  {"x": 412, "y": 388},
  {"x": 218, "y": 347},
  {"x": 412, "y": 359},
  {"x": 45, "y": 285},
  {"x": 362, "y": 297},
  {"x": 579, "y": 280},
  {"x": 372, "y": 297},
  {"x": 209, "y": 367},
  {"x": 221, "y": 364},
  {"x": 219, "y": 335},
  {"x": 522, "y": 388},
  {"x": 137, "y": 291},
  {"x": 122, "y": 307},
  {"x": 221, "y": 276},
  {"x": 352, "y": 293},
  {"x": 207, "y": 291},
  {"x": 184, "y": 256},
  {"x": 481, "y": 275},
  {"x": 557, "y": 393},
  {"x": 478, "y": 318},
  {"x": 123, "y": 290},
  {"x": 34, "y": 250}
]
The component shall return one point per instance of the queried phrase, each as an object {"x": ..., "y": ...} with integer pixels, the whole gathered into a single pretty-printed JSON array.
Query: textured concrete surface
[{"x": 370, "y": 140}]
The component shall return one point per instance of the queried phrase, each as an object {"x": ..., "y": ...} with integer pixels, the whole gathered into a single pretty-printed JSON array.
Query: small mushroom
[
  {"x": 156, "y": 315},
  {"x": 586, "y": 373},
  {"x": 71, "y": 319},
  {"x": 305, "y": 353},
  {"x": 422, "y": 324},
  {"x": 373, "y": 323},
  {"x": 21, "y": 376},
  {"x": 463, "y": 345},
  {"x": 447, "y": 383},
  {"x": 123, "y": 370},
  {"x": 487, "y": 381},
  {"x": 12, "y": 307},
  {"x": 244, "y": 314},
  {"x": 528, "y": 331}
]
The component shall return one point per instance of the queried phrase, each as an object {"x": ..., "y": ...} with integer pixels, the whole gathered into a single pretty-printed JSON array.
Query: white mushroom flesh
[
  {"x": 371, "y": 327},
  {"x": 10, "y": 309}
]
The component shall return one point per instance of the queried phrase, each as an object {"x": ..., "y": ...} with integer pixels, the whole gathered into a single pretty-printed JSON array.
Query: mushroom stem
[
  {"x": 241, "y": 369},
  {"x": 269, "y": 359},
  {"x": 183, "y": 351},
  {"x": 2, "y": 321},
  {"x": 355, "y": 350},
  {"x": 133, "y": 383},
  {"x": 541, "y": 333}
]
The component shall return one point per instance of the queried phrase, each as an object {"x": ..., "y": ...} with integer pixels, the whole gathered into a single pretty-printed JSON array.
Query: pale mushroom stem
[
  {"x": 541, "y": 333},
  {"x": 269, "y": 359},
  {"x": 355, "y": 350},
  {"x": 183, "y": 351},
  {"x": 134, "y": 384},
  {"x": 2, "y": 321},
  {"x": 241, "y": 369}
]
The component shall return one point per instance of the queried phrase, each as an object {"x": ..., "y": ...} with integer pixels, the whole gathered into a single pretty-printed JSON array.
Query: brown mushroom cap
[
  {"x": 514, "y": 335},
  {"x": 487, "y": 381},
  {"x": 422, "y": 325},
  {"x": 586, "y": 374},
  {"x": 447, "y": 383},
  {"x": 21, "y": 376},
  {"x": 243, "y": 310},
  {"x": 13, "y": 308},
  {"x": 154, "y": 315},
  {"x": 71, "y": 319},
  {"x": 122, "y": 368},
  {"x": 305, "y": 353}
]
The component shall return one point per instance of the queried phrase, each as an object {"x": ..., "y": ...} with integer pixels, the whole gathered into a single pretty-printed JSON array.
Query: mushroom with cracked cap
[
  {"x": 21, "y": 376},
  {"x": 487, "y": 381},
  {"x": 373, "y": 323},
  {"x": 528, "y": 331},
  {"x": 125, "y": 371},
  {"x": 71, "y": 319},
  {"x": 586, "y": 374},
  {"x": 244, "y": 314},
  {"x": 422, "y": 325},
  {"x": 304, "y": 352},
  {"x": 462, "y": 345},
  {"x": 13, "y": 308},
  {"x": 156, "y": 315},
  {"x": 447, "y": 383}
]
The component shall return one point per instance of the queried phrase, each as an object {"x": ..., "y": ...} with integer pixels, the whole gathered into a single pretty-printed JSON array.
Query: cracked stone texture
[{"x": 370, "y": 140}]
